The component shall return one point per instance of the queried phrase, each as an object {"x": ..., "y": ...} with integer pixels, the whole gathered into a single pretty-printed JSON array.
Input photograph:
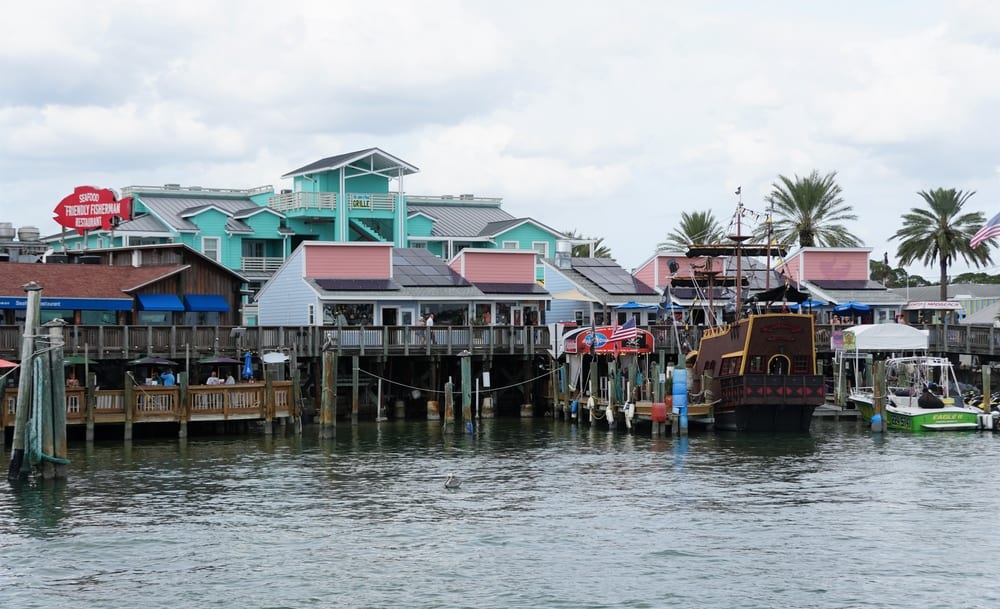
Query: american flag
[
  {"x": 988, "y": 231},
  {"x": 626, "y": 331}
]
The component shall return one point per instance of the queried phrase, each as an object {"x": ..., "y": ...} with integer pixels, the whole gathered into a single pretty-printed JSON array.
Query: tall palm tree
[
  {"x": 695, "y": 227},
  {"x": 583, "y": 250},
  {"x": 809, "y": 211},
  {"x": 940, "y": 234}
]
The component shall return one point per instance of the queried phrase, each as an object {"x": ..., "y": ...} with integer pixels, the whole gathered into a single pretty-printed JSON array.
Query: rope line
[{"x": 423, "y": 389}]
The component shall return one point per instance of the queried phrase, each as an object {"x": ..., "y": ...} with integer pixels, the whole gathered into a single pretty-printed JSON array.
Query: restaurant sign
[{"x": 90, "y": 208}]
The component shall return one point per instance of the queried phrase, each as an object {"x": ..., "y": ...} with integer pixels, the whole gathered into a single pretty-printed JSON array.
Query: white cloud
[{"x": 608, "y": 118}]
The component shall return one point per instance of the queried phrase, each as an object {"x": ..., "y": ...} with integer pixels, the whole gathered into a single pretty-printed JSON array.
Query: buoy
[
  {"x": 452, "y": 482},
  {"x": 609, "y": 414},
  {"x": 629, "y": 414},
  {"x": 877, "y": 422}
]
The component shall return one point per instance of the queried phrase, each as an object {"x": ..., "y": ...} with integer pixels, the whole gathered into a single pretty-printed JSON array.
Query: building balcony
[
  {"x": 317, "y": 201},
  {"x": 260, "y": 264}
]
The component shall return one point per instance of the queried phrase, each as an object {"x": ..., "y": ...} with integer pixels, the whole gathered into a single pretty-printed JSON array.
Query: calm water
[{"x": 549, "y": 515}]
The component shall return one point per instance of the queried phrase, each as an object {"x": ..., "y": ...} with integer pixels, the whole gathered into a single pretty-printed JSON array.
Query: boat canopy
[{"x": 886, "y": 337}]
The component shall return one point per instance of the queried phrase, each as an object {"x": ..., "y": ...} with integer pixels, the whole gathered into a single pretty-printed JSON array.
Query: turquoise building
[{"x": 355, "y": 197}]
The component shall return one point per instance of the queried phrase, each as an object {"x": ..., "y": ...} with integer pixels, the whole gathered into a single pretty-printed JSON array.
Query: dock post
[
  {"x": 527, "y": 408},
  {"x": 24, "y": 387},
  {"x": 129, "y": 397},
  {"x": 449, "y": 405},
  {"x": 985, "y": 369},
  {"x": 90, "y": 405},
  {"x": 878, "y": 422},
  {"x": 328, "y": 391},
  {"x": 268, "y": 403},
  {"x": 355, "y": 363},
  {"x": 465, "y": 357},
  {"x": 58, "y": 377},
  {"x": 184, "y": 412}
]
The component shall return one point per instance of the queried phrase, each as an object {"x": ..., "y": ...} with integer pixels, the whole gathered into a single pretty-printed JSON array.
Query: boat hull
[
  {"x": 946, "y": 419},
  {"x": 766, "y": 417}
]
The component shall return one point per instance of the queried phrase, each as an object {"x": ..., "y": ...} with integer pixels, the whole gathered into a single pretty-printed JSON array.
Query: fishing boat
[
  {"x": 922, "y": 395},
  {"x": 758, "y": 371}
]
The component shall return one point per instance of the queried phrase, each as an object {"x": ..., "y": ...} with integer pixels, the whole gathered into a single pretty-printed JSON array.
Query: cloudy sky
[{"x": 609, "y": 118}]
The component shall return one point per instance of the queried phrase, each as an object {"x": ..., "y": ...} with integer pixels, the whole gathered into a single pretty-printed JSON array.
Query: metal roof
[
  {"x": 415, "y": 267},
  {"x": 172, "y": 210},
  {"x": 373, "y": 160},
  {"x": 456, "y": 220}
]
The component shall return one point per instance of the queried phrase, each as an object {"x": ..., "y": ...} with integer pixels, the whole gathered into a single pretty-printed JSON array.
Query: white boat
[{"x": 922, "y": 394}]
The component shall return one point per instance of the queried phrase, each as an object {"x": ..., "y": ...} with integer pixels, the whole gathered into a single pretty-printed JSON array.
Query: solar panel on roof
[{"x": 357, "y": 285}]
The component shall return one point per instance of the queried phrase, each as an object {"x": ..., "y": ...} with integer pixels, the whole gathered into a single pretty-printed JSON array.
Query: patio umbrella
[
  {"x": 219, "y": 359},
  {"x": 851, "y": 307},
  {"x": 247, "y": 366},
  {"x": 5, "y": 364},
  {"x": 153, "y": 361},
  {"x": 808, "y": 304},
  {"x": 635, "y": 306},
  {"x": 71, "y": 360}
]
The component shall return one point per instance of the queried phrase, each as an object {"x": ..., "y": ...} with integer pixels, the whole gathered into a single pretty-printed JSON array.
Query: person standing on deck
[
  {"x": 430, "y": 324},
  {"x": 167, "y": 378}
]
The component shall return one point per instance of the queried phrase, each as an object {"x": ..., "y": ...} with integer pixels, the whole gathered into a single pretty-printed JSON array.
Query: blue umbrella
[
  {"x": 851, "y": 307},
  {"x": 809, "y": 304},
  {"x": 247, "y": 366},
  {"x": 635, "y": 305}
]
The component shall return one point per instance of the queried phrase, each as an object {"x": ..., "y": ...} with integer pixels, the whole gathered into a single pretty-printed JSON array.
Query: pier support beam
[
  {"x": 355, "y": 363},
  {"x": 16, "y": 471},
  {"x": 449, "y": 405},
  {"x": 466, "y": 361},
  {"x": 328, "y": 392}
]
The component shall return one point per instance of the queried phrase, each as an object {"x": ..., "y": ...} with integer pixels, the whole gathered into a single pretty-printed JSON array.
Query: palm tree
[
  {"x": 941, "y": 234},
  {"x": 583, "y": 250},
  {"x": 695, "y": 227},
  {"x": 809, "y": 211}
]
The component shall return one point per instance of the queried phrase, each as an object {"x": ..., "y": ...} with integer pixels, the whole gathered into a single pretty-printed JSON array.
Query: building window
[
  {"x": 311, "y": 314},
  {"x": 210, "y": 247},
  {"x": 418, "y": 245},
  {"x": 542, "y": 247},
  {"x": 510, "y": 245}
]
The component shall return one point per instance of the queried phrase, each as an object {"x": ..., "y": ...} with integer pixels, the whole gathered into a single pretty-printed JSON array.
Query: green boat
[{"x": 922, "y": 395}]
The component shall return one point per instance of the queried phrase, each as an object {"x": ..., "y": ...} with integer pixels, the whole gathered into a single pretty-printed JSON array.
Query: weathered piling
[
  {"x": 355, "y": 366},
  {"x": 449, "y": 405},
  {"x": 17, "y": 471},
  {"x": 328, "y": 402},
  {"x": 56, "y": 377},
  {"x": 466, "y": 360}
]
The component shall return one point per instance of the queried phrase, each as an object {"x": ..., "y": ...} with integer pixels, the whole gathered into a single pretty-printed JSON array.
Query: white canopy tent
[{"x": 886, "y": 337}]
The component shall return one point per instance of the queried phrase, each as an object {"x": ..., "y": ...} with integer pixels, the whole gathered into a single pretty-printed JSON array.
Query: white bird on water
[{"x": 452, "y": 482}]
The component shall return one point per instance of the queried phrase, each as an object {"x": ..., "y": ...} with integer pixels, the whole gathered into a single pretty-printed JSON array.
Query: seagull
[{"x": 452, "y": 482}]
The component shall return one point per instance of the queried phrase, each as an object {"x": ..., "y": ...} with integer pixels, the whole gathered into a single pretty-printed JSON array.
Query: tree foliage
[
  {"x": 696, "y": 227},
  {"x": 939, "y": 234},
  {"x": 809, "y": 211}
]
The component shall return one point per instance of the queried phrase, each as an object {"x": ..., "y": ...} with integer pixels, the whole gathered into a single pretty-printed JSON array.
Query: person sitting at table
[
  {"x": 72, "y": 381},
  {"x": 213, "y": 379},
  {"x": 230, "y": 380}
]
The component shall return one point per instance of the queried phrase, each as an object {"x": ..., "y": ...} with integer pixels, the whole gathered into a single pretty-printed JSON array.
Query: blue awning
[
  {"x": 159, "y": 302},
  {"x": 205, "y": 302}
]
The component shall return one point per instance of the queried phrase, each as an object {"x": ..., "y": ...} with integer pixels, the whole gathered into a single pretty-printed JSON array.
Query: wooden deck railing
[{"x": 159, "y": 404}]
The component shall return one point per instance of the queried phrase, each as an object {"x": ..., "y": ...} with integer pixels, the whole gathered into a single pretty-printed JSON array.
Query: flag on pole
[
  {"x": 988, "y": 231},
  {"x": 626, "y": 331}
]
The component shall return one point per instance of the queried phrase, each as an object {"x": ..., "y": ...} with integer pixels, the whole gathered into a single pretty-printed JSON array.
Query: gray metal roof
[
  {"x": 172, "y": 209},
  {"x": 379, "y": 161},
  {"x": 145, "y": 223},
  {"x": 456, "y": 220}
]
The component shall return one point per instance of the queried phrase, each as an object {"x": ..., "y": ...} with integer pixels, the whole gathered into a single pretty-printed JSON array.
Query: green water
[{"x": 549, "y": 515}]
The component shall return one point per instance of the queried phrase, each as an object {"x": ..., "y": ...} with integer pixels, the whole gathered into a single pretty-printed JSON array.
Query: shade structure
[
  {"x": 274, "y": 357},
  {"x": 153, "y": 361},
  {"x": 851, "y": 307},
  {"x": 70, "y": 360},
  {"x": 5, "y": 364},
  {"x": 219, "y": 359},
  {"x": 635, "y": 306},
  {"x": 808, "y": 304}
]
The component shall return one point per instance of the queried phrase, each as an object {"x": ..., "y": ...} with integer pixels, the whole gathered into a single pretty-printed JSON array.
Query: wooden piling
[
  {"x": 449, "y": 405},
  {"x": 57, "y": 380},
  {"x": 466, "y": 362},
  {"x": 90, "y": 405},
  {"x": 328, "y": 392},
  {"x": 355, "y": 364},
  {"x": 129, "y": 397},
  {"x": 16, "y": 470},
  {"x": 878, "y": 423}
]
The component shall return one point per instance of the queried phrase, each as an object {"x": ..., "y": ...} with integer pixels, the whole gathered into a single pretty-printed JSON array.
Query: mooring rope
[{"x": 423, "y": 389}]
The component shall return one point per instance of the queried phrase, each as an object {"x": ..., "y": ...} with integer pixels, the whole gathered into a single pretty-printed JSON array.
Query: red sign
[{"x": 90, "y": 208}]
